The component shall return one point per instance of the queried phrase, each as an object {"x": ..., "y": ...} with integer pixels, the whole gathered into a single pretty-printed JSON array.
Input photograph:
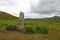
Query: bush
[
  {"x": 29, "y": 29},
  {"x": 44, "y": 30},
  {"x": 11, "y": 28},
  {"x": 36, "y": 29}
]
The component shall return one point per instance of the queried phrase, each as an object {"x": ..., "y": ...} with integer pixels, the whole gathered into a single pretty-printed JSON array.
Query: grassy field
[{"x": 53, "y": 25}]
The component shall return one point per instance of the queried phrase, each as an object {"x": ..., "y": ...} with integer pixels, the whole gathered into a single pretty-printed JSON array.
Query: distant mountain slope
[
  {"x": 55, "y": 18},
  {"x": 4, "y": 15}
]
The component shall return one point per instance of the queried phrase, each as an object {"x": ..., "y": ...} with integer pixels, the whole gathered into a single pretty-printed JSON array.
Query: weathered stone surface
[{"x": 21, "y": 17}]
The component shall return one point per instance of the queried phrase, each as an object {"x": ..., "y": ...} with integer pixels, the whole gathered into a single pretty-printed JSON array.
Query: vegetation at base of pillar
[
  {"x": 29, "y": 29},
  {"x": 36, "y": 29},
  {"x": 11, "y": 28}
]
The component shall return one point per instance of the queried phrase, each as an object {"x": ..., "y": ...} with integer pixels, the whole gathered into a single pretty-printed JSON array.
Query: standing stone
[{"x": 21, "y": 17}]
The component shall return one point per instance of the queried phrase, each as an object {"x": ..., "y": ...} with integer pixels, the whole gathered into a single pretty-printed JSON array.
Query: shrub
[
  {"x": 29, "y": 29},
  {"x": 38, "y": 29},
  {"x": 11, "y": 28},
  {"x": 44, "y": 30}
]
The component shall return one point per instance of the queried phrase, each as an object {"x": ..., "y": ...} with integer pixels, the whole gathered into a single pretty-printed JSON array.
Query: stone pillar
[{"x": 21, "y": 18}]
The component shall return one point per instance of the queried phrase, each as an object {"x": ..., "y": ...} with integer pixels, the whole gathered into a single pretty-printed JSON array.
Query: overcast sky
[{"x": 31, "y": 8}]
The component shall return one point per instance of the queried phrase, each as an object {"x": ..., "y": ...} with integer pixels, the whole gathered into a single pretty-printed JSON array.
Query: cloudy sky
[{"x": 31, "y": 8}]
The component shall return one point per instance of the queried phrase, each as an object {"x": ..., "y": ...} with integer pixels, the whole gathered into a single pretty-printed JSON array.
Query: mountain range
[{"x": 5, "y": 16}]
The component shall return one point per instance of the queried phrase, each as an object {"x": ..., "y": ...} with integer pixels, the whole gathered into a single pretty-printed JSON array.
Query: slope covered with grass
[
  {"x": 6, "y": 19},
  {"x": 53, "y": 25},
  {"x": 4, "y": 15}
]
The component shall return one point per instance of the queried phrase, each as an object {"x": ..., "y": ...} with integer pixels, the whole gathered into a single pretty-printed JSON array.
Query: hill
[
  {"x": 6, "y": 18},
  {"x": 55, "y": 18},
  {"x": 4, "y": 15}
]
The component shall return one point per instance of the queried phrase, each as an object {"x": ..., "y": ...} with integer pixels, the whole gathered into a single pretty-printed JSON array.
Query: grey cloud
[
  {"x": 6, "y": 2},
  {"x": 47, "y": 7}
]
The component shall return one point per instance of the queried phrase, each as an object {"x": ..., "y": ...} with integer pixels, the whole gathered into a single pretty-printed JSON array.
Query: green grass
[{"x": 48, "y": 24}]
